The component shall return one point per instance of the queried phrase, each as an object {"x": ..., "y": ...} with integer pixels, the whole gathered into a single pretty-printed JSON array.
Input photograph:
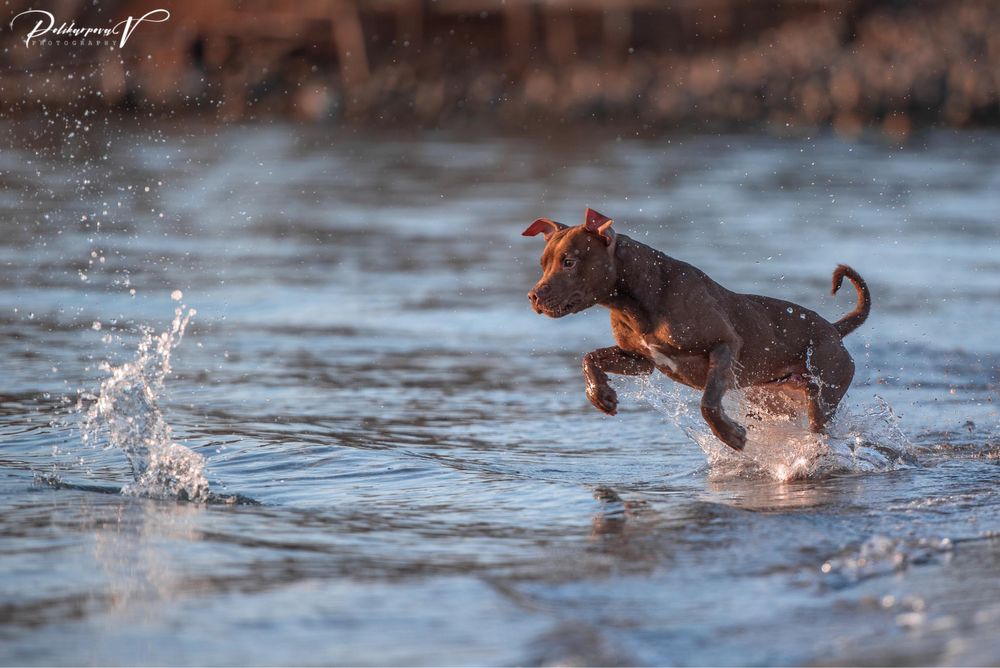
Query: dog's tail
[{"x": 855, "y": 318}]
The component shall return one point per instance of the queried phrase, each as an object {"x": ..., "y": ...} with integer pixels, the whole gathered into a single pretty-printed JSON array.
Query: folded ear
[
  {"x": 543, "y": 226},
  {"x": 600, "y": 225}
]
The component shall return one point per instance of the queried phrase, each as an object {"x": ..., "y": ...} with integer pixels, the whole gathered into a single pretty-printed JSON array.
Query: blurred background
[{"x": 521, "y": 63}]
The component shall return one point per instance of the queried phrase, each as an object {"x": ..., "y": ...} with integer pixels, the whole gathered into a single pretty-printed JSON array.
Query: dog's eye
[{"x": 568, "y": 262}]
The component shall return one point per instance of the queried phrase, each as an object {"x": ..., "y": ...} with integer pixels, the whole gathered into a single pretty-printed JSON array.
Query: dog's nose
[{"x": 537, "y": 293}]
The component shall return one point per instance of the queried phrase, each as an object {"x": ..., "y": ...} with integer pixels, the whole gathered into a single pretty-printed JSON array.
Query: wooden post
[
  {"x": 560, "y": 34},
  {"x": 519, "y": 24},
  {"x": 617, "y": 26},
  {"x": 349, "y": 41}
]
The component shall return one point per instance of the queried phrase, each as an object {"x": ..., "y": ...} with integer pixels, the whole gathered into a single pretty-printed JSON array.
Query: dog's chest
[
  {"x": 635, "y": 335},
  {"x": 684, "y": 367},
  {"x": 661, "y": 359}
]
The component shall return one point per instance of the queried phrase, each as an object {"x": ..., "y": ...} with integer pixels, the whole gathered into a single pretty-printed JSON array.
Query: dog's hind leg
[{"x": 831, "y": 370}]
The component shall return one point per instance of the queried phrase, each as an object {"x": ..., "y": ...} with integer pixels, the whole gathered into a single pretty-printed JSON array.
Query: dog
[{"x": 669, "y": 315}]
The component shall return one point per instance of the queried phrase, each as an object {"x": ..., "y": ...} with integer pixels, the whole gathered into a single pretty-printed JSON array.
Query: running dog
[{"x": 669, "y": 315}]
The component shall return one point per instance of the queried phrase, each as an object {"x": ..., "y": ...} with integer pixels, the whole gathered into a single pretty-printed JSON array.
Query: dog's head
[{"x": 578, "y": 265}]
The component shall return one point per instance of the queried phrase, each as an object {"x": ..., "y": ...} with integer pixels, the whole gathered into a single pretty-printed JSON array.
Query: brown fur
[{"x": 669, "y": 315}]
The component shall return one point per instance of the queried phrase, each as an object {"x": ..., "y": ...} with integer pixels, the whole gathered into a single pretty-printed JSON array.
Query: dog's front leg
[
  {"x": 598, "y": 364},
  {"x": 720, "y": 378}
]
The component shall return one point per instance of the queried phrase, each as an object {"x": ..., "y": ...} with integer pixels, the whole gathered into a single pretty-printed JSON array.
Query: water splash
[
  {"x": 860, "y": 440},
  {"x": 125, "y": 414}
]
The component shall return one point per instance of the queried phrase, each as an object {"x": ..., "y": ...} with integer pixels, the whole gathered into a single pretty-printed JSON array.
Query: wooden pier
[
  {"x": 238, "y": 42},
  {"x": 844, "y": 62}
]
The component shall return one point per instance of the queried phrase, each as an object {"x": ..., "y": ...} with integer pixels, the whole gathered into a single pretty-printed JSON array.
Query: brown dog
[{"x": 667, "y": 314}]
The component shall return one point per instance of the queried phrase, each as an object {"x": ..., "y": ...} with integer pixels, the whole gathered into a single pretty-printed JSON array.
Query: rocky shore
[{"x": 916, "y": 66}]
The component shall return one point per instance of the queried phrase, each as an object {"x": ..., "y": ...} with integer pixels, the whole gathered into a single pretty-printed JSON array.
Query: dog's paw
[
  {"x": 736, "y": 438},
  {"x": 730, "y": 433},
  {"x": 604, "y": 398}
]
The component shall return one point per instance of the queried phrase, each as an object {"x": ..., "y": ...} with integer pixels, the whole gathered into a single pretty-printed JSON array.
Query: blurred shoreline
[{"x": 718, "y": 65}]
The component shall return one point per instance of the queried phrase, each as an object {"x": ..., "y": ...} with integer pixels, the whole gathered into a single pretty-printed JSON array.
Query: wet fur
[{"x": 669, "y": 315}]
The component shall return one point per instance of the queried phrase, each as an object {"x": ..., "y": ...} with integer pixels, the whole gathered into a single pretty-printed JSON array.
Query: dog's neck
[{"x": 643, "y": 276}]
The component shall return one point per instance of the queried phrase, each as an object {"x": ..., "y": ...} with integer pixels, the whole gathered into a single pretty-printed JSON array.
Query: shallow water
[{"x": 434, "y": 488}]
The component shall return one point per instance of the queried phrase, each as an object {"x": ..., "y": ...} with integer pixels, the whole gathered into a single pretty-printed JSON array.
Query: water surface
[{"x": 434, "y": 487}]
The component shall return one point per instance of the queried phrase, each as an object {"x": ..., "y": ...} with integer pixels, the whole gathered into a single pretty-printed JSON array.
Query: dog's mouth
[{"x": 574, "y": 304}]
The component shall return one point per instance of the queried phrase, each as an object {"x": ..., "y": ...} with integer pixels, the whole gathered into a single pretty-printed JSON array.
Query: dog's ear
[
  {"x": 543, "y": 226},
  {"x": 600, "y": 225}
]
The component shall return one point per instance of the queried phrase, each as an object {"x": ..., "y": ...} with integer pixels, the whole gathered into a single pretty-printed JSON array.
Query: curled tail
[{"x": 855, "y": 318}]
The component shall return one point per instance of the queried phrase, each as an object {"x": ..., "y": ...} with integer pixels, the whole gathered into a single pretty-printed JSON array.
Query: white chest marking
[{"x": 660, "y": 359}]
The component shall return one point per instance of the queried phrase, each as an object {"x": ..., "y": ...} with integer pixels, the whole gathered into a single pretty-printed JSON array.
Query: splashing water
[
  {"x": 125, "y": 415},
  {"x": 780, "y": 447}
]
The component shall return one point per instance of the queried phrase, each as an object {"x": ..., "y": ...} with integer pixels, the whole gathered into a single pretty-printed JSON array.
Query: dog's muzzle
[
  {"x": 537, "y": 297},
  {"x": 542, "y": 301}
]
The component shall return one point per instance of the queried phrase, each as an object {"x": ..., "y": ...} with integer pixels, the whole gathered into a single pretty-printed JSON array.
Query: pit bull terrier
[{"x": 669, "y": 315}]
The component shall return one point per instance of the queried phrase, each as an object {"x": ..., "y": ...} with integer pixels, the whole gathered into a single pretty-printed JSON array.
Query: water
[
  {"x": 125, "y": 410},
  {"x": 434, "y": 488}
]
